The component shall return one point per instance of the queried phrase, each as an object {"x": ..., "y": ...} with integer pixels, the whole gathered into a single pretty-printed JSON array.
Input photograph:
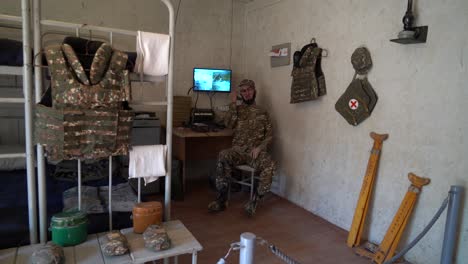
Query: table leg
[
  {"x": 184, "y": 169},
  {"x": 167, "y": 260},
  {"x": 194, "y": 257}
]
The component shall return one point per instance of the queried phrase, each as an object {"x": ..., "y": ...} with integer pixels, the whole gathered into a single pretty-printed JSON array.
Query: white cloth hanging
[
  {"x": 152, "y": 53},
  {"x": 147, "y": 162}
]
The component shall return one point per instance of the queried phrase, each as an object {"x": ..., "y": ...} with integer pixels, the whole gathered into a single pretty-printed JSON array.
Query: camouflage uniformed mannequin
[{"x": 252, "y": 137}]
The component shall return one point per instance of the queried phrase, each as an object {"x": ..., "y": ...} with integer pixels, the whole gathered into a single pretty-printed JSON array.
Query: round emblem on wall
[{"x": 353, "y": 104}]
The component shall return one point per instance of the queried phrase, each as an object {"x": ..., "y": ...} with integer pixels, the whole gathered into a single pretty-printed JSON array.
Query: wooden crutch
[
  {"x": 388, "y": 246},
  {"x": 354, "y": 236}
]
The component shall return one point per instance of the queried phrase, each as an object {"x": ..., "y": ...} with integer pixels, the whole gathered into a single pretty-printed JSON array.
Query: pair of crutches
[{"x": 387, "y": 247}]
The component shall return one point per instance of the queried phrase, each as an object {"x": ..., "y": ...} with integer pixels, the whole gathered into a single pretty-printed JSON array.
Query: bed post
[
  {"x": 27, "y": 90},
  {"x": 38, "y": 85},
  {"x": 167, "y": 203}
]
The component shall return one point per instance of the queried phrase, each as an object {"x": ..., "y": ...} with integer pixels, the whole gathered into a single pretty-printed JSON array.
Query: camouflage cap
[
  {"x": 361, "y": 60},
  {"x": 247, "y": 82}
]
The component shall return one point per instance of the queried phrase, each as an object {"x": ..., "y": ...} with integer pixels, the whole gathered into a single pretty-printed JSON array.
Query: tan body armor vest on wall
[
  {"x": 86, "y": 120},
  {"x": 308, "y": 79}
]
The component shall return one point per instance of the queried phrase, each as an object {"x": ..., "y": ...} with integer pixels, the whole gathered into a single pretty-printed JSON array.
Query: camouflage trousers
[{"x": 229, "y": 158}]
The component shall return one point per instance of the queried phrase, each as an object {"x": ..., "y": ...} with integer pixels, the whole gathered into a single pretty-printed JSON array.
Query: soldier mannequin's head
[{"x": 247, "y": 91}]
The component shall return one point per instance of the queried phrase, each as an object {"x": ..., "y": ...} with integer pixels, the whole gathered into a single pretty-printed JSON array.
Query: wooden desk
[{"x": 190, "y": 145}]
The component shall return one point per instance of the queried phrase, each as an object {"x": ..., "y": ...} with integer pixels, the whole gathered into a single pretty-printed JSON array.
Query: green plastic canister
[{"x": 69, "y": 228}]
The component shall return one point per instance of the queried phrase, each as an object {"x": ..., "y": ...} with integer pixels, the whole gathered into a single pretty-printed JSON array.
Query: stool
[{"x": 244, "y": 181}]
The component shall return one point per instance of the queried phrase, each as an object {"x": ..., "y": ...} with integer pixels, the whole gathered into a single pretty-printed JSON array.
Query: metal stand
[
  {"x": 247, "y": 248},
  {"x": 451, "y": 225},
  {"x": 110, "y": 193}
]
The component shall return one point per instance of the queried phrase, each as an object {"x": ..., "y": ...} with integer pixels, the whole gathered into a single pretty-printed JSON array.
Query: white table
[{"x": 89, "y": 252}]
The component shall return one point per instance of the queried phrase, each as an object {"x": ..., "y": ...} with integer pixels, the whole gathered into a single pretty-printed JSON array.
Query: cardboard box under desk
[{"x": 181, "y": 111}]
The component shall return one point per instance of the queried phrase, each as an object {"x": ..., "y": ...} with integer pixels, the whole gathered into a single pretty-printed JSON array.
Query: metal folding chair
[{"x": 246, "y": 181}]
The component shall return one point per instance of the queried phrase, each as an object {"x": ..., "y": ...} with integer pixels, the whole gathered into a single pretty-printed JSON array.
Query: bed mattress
[
  {"x": 11, "y": 52},
  {"x": 12, "y": 163}
]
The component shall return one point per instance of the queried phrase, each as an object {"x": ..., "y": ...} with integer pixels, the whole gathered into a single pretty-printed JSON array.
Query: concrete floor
[{"x": 295, "y": 231}]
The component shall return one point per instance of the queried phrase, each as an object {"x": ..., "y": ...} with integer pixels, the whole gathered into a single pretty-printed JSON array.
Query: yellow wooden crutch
[
  {"x": 391, "y": 239},
  {"x": 354, "y": 236}
]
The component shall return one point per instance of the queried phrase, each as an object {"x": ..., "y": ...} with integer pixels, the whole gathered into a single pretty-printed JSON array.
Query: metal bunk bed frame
[
  {"x": 11, "y": 70},
  {"x": 27, "y": 89},
  {"x": 25, "y": 19}
]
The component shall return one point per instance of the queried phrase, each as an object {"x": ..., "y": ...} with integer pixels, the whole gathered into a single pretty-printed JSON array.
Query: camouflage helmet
[
  {"x": 361, "y": 60},
  {"x": 247, "y": 82}
]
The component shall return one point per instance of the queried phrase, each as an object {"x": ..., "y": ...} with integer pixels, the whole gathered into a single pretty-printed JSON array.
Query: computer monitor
[{"x": 212, "y": 80}]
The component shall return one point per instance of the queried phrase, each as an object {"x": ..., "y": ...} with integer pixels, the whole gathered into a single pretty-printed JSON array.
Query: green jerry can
[{"x": 69, "y": 228}]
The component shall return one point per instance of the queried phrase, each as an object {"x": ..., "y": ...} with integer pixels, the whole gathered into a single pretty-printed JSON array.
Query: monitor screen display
[{"x": 212, "y": 80}]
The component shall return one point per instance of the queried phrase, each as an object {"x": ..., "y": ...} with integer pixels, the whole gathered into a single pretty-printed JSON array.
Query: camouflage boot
[
  {"x": 219, "y": 204},
  {"x": 251, "y": 206}
]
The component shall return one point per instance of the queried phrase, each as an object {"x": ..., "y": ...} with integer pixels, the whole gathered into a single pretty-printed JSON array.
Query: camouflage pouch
[
  {"x": 367, "y": 87},
  {"x": 48, "y": 254},
  {"x": 353, "y": 105},
  {"x": 83, "y": 134},
  {"x": 359, "y": 99},
  {"x": 116, "y": 244},
  {"x": 308, "y": 79},
  {"x": 156, "y": 238},
  {"x": 124, "y": 132}
]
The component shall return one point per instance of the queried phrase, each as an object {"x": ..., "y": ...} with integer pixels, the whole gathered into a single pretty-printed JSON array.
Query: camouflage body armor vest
[
  {"x": 87, "y": 119},
  {"x": 308, "y": 80}
]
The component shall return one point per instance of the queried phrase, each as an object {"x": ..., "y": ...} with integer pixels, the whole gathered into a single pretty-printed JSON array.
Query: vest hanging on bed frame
[{"x": 87, "y": 119}]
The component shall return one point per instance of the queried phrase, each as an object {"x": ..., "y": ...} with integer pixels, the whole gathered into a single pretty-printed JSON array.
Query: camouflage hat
[
  {"x": 361, "y": 60},
  {"x": 247, "y": 82}
]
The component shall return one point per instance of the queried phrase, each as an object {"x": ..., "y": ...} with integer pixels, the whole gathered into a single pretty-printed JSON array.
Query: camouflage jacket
[{"x": 252, "y": 126}]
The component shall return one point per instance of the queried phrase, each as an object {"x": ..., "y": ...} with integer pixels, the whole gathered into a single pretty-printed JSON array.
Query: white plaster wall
[{"x": 422, "y": 93}]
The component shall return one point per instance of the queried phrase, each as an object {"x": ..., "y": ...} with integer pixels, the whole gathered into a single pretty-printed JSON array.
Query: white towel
[
  {"x": 152, "y": 53},
  {"x": 148, "y": 162}
]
